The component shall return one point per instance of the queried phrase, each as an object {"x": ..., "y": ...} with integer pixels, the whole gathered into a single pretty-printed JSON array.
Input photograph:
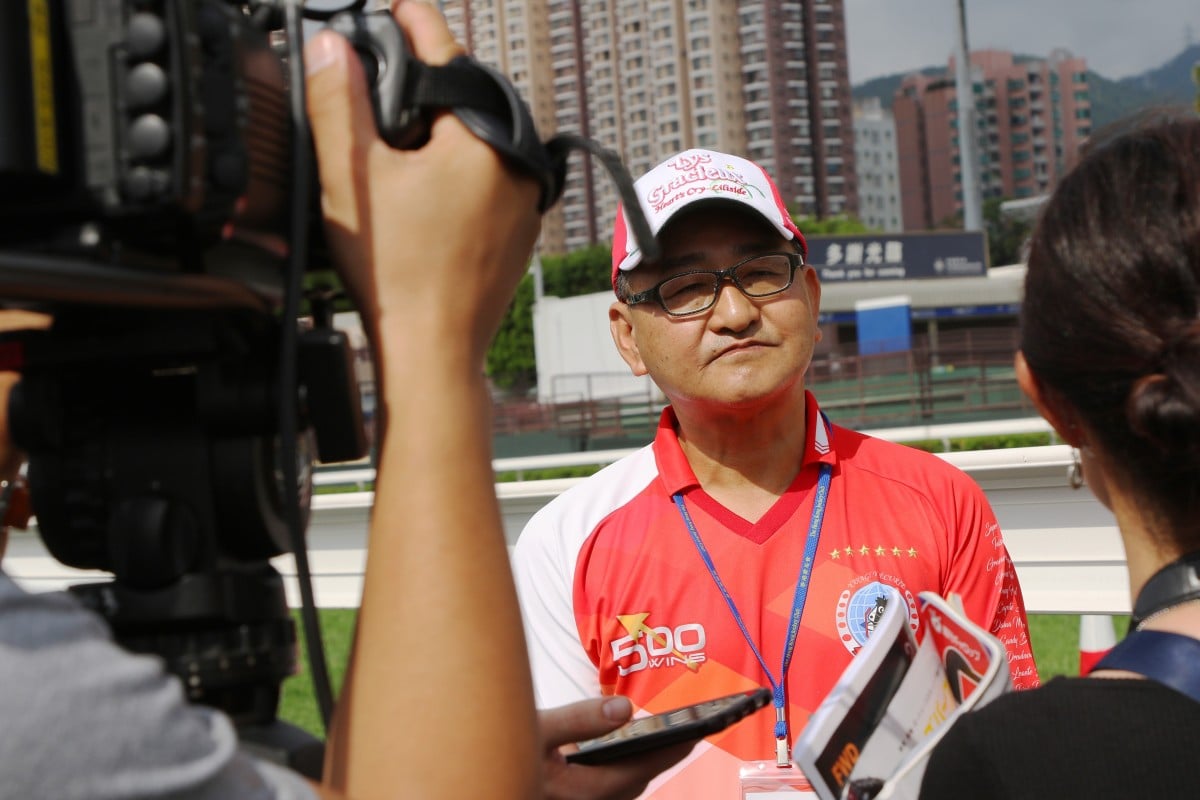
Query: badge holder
[{"x": 766, "y": 780}]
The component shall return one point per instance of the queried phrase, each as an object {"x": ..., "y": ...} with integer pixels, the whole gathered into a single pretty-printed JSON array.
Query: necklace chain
[{"x": 1159, "y": 612}]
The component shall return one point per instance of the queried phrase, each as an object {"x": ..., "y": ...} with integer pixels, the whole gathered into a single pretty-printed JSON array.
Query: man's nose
[{"x": 733, "y": 309}]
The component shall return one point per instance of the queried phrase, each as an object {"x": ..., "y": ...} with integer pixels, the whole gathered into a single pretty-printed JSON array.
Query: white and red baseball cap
[{"x": 695, "y": 176}]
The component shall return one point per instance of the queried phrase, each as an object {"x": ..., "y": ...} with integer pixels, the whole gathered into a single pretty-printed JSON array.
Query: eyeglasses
[{"x": 694, "y": 292}]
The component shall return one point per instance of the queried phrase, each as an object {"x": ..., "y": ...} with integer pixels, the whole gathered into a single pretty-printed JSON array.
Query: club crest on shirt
[{"x": 862, "y": 603}]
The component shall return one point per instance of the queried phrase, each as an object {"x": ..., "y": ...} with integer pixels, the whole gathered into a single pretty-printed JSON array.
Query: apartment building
[
  {"x": 878, "y": 167},
  {"x": 1031, "y": 118},
  {"x": 767, "y": 79}
]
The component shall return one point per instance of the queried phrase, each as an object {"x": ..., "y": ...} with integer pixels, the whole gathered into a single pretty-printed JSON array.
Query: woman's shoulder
[{"x": 1071, "y": 700}]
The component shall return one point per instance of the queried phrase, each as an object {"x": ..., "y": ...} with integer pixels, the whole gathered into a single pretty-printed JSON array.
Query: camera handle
[{"x": 405, "y": 92}]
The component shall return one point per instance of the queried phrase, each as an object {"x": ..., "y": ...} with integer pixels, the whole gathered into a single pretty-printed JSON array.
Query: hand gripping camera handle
[{"x": 405, "y": 91}]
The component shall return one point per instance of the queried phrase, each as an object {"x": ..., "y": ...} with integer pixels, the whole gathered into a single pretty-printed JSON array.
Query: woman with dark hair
[{"x": 1110, "y": 355}]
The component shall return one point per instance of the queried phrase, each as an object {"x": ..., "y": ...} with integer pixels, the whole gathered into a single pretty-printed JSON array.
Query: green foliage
[
  {"x": 297, "y": 702},
  {"x": 1006, "y": 235},
  {"x": 324, "y": 283},
  {"x": 511, "y": 364},
  {"x": 550, "y": 473},
  {"x": 1002, "y": 442},
  {"x": 581, "y": 271},
  {"x": 985, "y": 442}
]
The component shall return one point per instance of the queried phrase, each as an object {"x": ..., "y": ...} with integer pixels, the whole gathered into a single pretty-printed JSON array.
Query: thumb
[
  {"x": 339, "y": 107},
  {"x": 583, "y": 720}
]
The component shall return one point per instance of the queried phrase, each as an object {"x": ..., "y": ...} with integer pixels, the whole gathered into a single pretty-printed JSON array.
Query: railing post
[{"x": 1096, "y": 638}]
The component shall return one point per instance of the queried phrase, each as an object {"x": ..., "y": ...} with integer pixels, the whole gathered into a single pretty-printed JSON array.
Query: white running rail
[{"x": 1064, "y": 543}]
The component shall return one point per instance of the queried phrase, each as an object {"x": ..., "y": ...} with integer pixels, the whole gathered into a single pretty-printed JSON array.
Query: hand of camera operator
[
  {"x": 431, "y": 245},
  {"x": 437, "y": 700}
]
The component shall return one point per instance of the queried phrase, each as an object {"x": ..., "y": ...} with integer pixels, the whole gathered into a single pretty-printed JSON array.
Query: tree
[
  {"x": 582, "y": 271},
  {"x": 1006, "y": 234},
  {"x": 511, "y": 360},
  {"x": 511, "y": 363}
]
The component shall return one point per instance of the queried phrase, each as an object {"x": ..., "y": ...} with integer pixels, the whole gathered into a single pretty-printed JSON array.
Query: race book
[{"x": 872, "y": 735}]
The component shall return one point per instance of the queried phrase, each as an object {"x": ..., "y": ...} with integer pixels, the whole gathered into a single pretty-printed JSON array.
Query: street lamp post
[{"x": 967, "y": 134}]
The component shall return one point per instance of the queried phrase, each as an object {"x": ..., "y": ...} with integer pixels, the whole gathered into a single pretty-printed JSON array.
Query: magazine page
[
  {"x": 829, "y": 746},
  {"x": 972, "y": 669},
  {"x": 872, "y": 734},
  {"x": 921, "y": 703}
]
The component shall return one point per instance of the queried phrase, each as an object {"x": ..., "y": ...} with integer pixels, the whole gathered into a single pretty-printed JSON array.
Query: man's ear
[
  {"x": 620, "y": 323},
  {"x": 1060, "y": 416}
]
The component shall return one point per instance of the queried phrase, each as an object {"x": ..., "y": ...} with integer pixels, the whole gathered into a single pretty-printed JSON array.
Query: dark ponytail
[{"x": 1111, "y": 315}]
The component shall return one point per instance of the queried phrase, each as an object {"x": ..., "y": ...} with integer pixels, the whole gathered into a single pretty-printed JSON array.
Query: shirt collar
[{"x": 677, "y": 475}]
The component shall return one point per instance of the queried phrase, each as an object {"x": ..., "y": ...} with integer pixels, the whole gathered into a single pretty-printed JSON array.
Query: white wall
[{"x": 575, "y": 355}]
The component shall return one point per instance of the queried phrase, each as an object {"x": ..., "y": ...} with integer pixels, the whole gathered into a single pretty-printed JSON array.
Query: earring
[{"x": 1075, "y": 471}]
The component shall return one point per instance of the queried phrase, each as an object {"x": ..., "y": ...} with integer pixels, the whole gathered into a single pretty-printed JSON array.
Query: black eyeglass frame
[{"x": 795, "y": 261}]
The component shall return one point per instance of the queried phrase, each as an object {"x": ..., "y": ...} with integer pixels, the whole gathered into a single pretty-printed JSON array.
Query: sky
[{"x": 1118, "y": 38}]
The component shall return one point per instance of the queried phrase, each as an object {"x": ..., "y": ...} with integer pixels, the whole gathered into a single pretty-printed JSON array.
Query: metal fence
[{"x": 957, "y": 376}]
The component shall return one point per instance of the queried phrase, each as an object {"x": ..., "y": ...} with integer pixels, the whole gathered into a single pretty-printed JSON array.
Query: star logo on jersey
[{"x": 657, "y": 646}]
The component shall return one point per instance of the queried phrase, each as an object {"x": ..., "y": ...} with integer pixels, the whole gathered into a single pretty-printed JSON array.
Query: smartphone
[{"x": 670, "y": 727}]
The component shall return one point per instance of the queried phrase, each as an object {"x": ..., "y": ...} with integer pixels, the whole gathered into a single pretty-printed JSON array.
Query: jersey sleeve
[
  {"x": 544, "y": 570},
  {"x": 982, "y": 574}
]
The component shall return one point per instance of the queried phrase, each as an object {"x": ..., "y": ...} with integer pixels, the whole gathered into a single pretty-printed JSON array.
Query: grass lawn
[{"x": 1055, "y": 648}]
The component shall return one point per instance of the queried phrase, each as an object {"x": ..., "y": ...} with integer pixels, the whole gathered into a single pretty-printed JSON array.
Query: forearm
[
  {"x": 431, "y": 244},
  {"x": 439, "y": 616}
]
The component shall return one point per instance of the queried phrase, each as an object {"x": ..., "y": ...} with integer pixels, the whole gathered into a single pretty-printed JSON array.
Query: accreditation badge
[{"x": 766, "y": 780}]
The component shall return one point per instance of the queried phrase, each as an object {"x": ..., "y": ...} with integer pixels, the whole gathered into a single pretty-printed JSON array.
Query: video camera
[{"x": 157, "y": 198}]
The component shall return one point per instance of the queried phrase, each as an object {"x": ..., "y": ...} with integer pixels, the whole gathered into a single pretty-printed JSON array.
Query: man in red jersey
[{"x": 749, "y": 544}]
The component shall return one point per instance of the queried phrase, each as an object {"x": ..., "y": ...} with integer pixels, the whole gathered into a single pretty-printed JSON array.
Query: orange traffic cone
[{"x": 1096, "y": 638}]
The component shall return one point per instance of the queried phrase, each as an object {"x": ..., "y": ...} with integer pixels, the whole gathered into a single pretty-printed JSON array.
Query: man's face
[{"x": 741, "y": 351}]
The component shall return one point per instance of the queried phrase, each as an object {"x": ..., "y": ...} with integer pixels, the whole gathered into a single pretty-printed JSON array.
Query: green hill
[{"x": 1169, "y": 84}]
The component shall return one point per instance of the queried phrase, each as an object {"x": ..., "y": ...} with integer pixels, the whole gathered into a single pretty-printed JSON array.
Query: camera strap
[
  {"x": 405, "y": 90},
  {"x": 1167, "y": 658},
  {"x": 488, "y": 104}
]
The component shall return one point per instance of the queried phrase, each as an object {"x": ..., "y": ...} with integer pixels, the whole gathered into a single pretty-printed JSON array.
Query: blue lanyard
[{"x": 798, "y": 600}]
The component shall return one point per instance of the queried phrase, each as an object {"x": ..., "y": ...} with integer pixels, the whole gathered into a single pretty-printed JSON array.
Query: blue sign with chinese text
[{"x": 898, "y": 256}]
